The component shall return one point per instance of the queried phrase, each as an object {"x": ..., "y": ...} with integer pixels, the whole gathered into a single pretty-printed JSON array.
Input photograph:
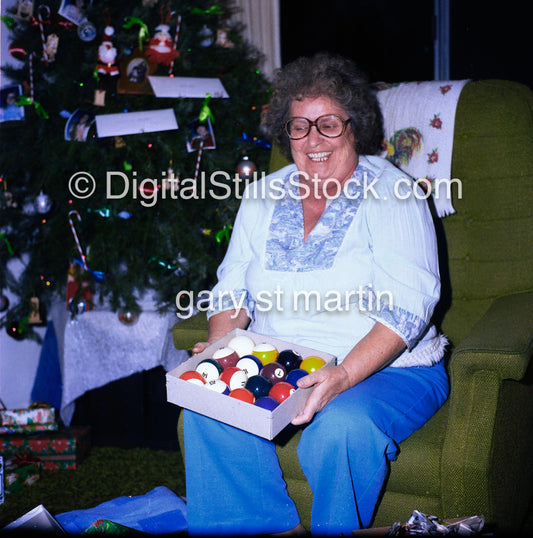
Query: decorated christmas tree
[{"x": 137, "y": 124}]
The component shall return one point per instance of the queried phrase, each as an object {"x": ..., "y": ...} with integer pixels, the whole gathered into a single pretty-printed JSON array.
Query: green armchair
[{"x": 474, "y": 456}]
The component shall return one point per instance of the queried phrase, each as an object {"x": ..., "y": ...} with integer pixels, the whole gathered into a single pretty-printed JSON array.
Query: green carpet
[{"x": 105, "y": 474}]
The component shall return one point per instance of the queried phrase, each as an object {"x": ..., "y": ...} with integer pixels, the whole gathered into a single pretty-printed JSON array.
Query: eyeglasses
[{"x": 330, "y": 126}]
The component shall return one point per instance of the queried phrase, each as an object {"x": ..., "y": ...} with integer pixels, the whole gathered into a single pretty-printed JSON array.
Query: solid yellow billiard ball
[{"x": 312, "y": 363}]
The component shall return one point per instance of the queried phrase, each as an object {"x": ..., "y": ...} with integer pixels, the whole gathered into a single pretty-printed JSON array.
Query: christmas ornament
[
  {"x": 76, "y": 238},
  {"x": 77, "y": 305},
  {"x": 4, "y": 303},
  {"x": 43, "y": 13},
  {"x": 87, "y": 31},
  {"x": 160, "y": 49},
  {"x": 172, "y": 180},
  {"x": 246, "y": 167},
  {"x": 7, "y": 243},
  {"x": 6, "y": 198},
  {"x": 25, "y": 100},
  {"x": 176, "y": 37},
  {"x": 24, "y": 10},
  {"x": 127, "y": 317},
  {"x": 17, "y": 51},
  {"x": 17, "y": 329},
  {"x": 50, "y": 47},
  {"x": 206, "y": 36},
  {"x": 43, "y": 204},
  {"x": 223, "y": 39},
  {"x": 143, "y": 29},
  {"x": 37, "y": 315},
  {"x": 107, "y": 54}
]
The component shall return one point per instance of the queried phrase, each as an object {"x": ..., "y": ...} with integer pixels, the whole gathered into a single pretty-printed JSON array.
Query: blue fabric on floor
[
  {"x": 159, "y": 511},
  {"x": 48, "y": 386}
]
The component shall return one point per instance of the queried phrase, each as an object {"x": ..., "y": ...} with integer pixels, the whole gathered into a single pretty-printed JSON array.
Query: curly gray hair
[{"x": 327, "y": 75}]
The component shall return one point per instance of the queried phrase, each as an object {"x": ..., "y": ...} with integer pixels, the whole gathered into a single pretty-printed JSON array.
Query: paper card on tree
[
  {"x": 126, "y": 123},
  {"x": 187, "y": 87}
]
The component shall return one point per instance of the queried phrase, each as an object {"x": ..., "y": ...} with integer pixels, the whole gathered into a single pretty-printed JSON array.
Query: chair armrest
[
  {"x": 502, "y": 340},
  {"x": 188, "y": 331},
  {"x": 489, "y": 403}
]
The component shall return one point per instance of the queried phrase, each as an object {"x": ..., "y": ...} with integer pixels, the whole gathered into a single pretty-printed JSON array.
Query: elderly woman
[{"x": 342, "y": 230}]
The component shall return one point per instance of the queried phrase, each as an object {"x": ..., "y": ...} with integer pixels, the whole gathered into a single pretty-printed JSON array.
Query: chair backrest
[{"x": 486, "y": 247}]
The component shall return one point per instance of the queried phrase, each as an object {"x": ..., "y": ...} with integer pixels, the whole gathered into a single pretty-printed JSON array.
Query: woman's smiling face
[{"x": 317, "y": 155}]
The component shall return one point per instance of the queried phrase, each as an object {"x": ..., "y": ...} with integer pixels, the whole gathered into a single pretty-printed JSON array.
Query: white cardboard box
[{"x": 235, "y": 412}]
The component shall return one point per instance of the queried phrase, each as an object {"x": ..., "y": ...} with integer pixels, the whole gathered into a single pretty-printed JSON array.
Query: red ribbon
[
  {"x": 66, "y": 24},
  {"x": 25, "y": 458}
]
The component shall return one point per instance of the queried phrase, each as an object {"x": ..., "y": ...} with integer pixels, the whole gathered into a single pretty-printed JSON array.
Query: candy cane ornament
[
  {"x": 46, "y": 10},
  {"x": 176, "y": 37},
  {"x": 198, "y": 159},
  {"x": 76, "y": 238}
]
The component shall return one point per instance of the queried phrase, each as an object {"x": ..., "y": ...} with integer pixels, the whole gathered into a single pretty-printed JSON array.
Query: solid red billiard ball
[
  {"x": 193, "y": 377},
  {"x": 242, "y": 344},
  {"x": 274, "y": 372},
  {"x": 312, "y": 363},
  {"x": 210, "y": 369},
  {"x": 226, "y": 357},
  {"x": 234, "y": 377},
  {"x": 242, "y": 394},
  {"x": 250, "y": 364},
  {"x": 258, "y": 385},
  {"x": 267, "y": 402},
  {"x": 218, "y": 385},
  {"x": 281, "y": 391},
  {"x": 294, "y": 375},
  {"x": 265, "y": 352},
  {"x": 290, "y": 359}
]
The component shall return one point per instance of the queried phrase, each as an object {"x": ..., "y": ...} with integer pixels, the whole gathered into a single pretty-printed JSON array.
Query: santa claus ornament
[
  {"x": 161, "y": 48},
  {"x": 107, "y": 54}
]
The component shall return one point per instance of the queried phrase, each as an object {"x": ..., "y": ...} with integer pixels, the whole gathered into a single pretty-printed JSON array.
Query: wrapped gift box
[
  {"x": 61, "y": 449},
  {"x": 20, "y": 472},
  {"x": 29, "y": 420}
]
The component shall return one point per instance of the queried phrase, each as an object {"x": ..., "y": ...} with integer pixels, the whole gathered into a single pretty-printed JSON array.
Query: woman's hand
[
  {"x": 373, "y": 352},
  {"x": 199, "y": 347},
  {"x": 328, "y": 382}
]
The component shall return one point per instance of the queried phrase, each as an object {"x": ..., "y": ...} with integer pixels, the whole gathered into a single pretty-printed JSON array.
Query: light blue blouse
[{"x": 371, "y": 257}]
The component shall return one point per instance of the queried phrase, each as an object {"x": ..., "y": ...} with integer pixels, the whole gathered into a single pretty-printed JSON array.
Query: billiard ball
[
  {"x": 218, "y": 385},
  {"x": 265, "y": 352},
  {"x": 267, "y": 402},
  {"x": 274, "y": 372},
  {"x": 250, "y": 364},
  {"x": 242, "y": 394},
  {"x": 258, "y": 385},
  {"x": 290, "y": 359},
  {"x": 312, "y": 363},
  {"x": 234, "y": 377},
  {"x": 226, "y": 356},
  {"x": 242, "y": 344},
  {"x": 294, "y": 375},
  {"x": 210, "y": 369},
  {"x": 281, "y": 391},
  {"x": 192, "y": 376}
]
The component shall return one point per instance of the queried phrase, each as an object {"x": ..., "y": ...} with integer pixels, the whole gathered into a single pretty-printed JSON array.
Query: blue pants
[{"x": 235, "y": 484}]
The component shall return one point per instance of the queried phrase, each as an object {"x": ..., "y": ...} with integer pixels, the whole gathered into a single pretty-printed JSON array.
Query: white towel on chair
[{"x": 419, "y": 119}]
